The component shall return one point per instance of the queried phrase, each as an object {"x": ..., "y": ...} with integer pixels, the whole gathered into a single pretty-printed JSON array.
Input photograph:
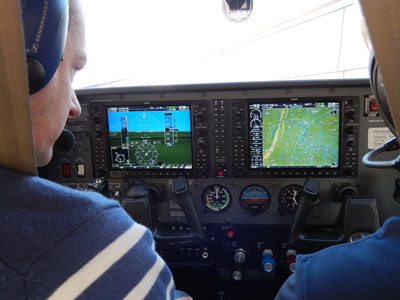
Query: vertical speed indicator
[{"x": 216, "y": 198}]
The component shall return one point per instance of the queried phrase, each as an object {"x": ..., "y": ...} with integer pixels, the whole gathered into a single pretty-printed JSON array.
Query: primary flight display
[
  {"x": 153, "y": 137},
  {"x": 294, "y": 135}
]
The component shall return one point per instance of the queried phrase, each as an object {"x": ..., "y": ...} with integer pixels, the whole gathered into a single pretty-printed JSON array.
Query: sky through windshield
[{"x": 158, "y": 42}]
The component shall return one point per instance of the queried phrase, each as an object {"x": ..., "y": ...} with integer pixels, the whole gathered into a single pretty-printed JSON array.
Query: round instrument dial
[
  {"x": 255, "y": 199},
  {"x": 289, "y": 197},
  {"x": 216, "y": 198}
]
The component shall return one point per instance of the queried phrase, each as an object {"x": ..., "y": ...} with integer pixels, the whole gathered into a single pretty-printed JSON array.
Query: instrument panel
[{"x": 245, "y": 150}]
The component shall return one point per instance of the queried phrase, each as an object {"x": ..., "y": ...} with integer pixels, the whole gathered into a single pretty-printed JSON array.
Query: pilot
[
  {"x": 58, "y": 243},
  {"x": 365, "y": 269}
]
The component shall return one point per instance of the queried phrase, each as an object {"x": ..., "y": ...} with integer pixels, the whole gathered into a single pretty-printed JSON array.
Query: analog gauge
[
  {"x": 255, "y": 199},
  {"x": 216, "y": 198},
  {"x": 289, "y": 197}
]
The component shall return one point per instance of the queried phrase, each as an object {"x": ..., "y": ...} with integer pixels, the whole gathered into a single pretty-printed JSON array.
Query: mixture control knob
[
  {"x": 291, "y": 260},
  {"x": 240, "y": 256},
  {"x": 268, "y": 263}
]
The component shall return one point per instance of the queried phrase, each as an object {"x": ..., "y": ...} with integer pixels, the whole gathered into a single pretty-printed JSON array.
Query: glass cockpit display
[
  {"x": 294, "y": 135},
  {"x": 151, "y": 137}
]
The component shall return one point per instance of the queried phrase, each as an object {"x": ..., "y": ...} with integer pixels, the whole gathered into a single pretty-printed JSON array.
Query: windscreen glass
[{"x": 158, "y": 42}]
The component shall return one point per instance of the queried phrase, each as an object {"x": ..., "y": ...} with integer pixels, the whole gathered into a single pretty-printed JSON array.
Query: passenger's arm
[{"x": 288, "y": 289}]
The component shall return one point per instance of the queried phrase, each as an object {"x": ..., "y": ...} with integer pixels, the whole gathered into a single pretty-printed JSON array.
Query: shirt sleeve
[{"x": 288, "y": 289}]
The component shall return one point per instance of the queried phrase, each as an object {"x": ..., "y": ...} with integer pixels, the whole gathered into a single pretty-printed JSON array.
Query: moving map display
[
  {"x": 294, "y": 135},
  {"x": 153, "y": 137}
]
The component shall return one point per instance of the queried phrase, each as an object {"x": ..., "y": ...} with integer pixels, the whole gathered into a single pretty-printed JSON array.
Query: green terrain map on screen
[{"x": 300, "y": 137}]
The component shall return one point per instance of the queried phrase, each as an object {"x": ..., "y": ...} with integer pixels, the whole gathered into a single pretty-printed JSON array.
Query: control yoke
[
  {"x": 297, "y": 238},
  {"x": 184, "y": 199}
]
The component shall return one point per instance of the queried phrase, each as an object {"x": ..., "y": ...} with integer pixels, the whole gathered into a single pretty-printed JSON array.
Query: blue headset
[{"x": 45, "y": 29}]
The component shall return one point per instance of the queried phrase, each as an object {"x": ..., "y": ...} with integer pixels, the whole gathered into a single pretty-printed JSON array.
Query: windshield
[{"x": 158, "y": 42}]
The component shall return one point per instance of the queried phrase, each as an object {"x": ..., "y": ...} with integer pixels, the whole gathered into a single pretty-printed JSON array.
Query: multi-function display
[
  {"x": 294, "y": 135},
  {"x": 150, "y": 137}
]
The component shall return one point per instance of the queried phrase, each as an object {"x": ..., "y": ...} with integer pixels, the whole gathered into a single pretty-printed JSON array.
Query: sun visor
[{"x": 383, "y": 22}]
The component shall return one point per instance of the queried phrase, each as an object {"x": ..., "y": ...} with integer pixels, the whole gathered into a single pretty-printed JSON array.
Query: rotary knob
[{"x": 240, "y": 256}]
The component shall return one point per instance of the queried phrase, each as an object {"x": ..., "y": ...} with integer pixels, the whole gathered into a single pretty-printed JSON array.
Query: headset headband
[{"x": 45, "y": 30}]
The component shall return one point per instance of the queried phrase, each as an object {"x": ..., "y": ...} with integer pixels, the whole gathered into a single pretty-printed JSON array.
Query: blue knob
[{"x": 268, "y": 263}]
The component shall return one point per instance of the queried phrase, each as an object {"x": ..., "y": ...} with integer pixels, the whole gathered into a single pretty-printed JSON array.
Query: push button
[
  {"x": 66, "y": 170},
  {"x": 81, "y": 170}
]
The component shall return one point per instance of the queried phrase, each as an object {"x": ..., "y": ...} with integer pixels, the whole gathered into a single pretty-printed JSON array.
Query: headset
[
  {"x": 45, "y": 29},
  {"x": 379, "y": 91}
]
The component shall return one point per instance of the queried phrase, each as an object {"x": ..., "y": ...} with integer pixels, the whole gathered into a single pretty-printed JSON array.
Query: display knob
[
  {"x": 240, "y": 256},
  {"x": 268, "y": 263},
  {"x": 350, "y": 130},
  {"x": 238, "y": 116},
  {"x": 98, "y": 134},
  {"x": 351, "y": 143},
  {"x": 199, "y": 118},
  {"x": 349, "y": 172},
  {"x": 239, "y": 129},
  {"x": 97, "y": 120},
  {"x": 351, "y": 114}
]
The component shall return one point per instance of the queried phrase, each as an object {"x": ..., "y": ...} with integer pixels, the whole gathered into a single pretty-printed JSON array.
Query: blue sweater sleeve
[{"x": 59, "y": 243}]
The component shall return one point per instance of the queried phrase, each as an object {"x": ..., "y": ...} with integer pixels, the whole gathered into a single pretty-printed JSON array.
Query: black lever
[
  {"x": 308, "y": 198},
  {"x": 297, "y": 238},
  {"x": 184, "y": 199}
]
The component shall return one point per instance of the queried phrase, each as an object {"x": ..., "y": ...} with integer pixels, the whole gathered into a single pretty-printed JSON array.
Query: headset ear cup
[
  {"x": 36, "y": 74},
  {"x": 45, "y": 31},
  {"x": 379, "y": 91}
]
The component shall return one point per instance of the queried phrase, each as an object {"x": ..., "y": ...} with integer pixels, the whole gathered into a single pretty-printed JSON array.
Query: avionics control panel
[
  {"x": 270, "y": 135},
  {"x": 267, "y": 137}
]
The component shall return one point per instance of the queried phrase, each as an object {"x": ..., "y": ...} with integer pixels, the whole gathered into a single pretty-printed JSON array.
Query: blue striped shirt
[{"x": 59, "y": 243}]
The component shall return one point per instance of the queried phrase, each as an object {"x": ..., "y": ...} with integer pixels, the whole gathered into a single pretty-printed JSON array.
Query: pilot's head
[
  {"x": 55, "y": 100},
  {"x": 378, "y": 89}
]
